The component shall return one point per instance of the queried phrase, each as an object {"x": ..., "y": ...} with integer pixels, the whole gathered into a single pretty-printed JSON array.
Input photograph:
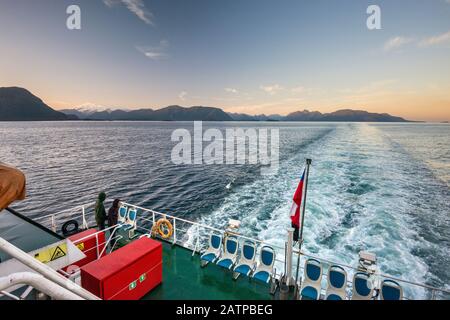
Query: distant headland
[{"x": 18, "y": 104}]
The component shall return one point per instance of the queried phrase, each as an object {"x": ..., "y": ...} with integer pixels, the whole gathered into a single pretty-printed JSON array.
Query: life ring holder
[{"x": 163, "y": 228}]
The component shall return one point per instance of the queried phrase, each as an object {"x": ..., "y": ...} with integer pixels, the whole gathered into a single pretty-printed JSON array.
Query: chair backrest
[
  {"x": 267, "y": 256},
  {"x": 132, "y": 216},
  {"x": 248, "y": 251},
  {"x": 391, "y": 290},
  {"x": 362, "y": 286},
  {"x": 337, "y": 277},
  {"x": 313, "y": 270},
  {"x": 122, "y": 214},
  {"x": 231, "y": 245},
  {"x": 215, "y": 241}
]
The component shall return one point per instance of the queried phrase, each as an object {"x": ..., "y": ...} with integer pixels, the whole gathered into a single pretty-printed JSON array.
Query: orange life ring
[{"x": 164, "y": 228}]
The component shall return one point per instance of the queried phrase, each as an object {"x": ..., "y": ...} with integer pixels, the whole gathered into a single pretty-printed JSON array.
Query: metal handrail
[
  {"x": 199, "y": 224},
  {"x": 213, "y": 229},
  {"x": 65, "y": 210},
  {"x": 329, "y": 262},
  {"x": 44, "y": 270}
]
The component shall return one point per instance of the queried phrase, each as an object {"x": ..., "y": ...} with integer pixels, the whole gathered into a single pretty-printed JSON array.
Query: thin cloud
[
  {"x": 436, "y": 40},
  {"x": 135, "y": 6},
  {"x": 396, "y": 43},
  {"x": 272, "y": 89},
  {"x": 304, "y": 90},
  {"x": 231, "y": 90},
  {"x": 155, "y": 52}
]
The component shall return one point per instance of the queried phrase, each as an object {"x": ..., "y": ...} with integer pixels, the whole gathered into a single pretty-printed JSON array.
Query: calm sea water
[{"x": 377, "y": 187}]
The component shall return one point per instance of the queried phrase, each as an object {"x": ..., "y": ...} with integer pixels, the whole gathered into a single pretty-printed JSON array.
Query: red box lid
[{"x": 121, "y": 258}]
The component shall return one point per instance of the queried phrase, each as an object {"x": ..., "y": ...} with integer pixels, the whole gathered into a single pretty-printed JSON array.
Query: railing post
[
  {"x": 197, "y": 241},
  {"x": 97, "y": 244},
  {"x": 83, "y": 212},
  {"x": 174, "y": 231},
  {"x": 53, "y": 223},
  {"x": 288, "y": 257}
]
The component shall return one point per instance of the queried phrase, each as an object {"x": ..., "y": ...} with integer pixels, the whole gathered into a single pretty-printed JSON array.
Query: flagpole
[{"x": 300, "y": 242}]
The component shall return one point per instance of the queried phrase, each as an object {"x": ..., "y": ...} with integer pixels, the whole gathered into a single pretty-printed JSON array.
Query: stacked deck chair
[
  {"x": 213, "y": 252},
  {"x": 122, "y": 214},
  {"x": 230, "y": 253},
  {"x": 246, "y": 263},
  {"x": 312, "y": 279},
  {"x": 337, "y": 283},
  {"x": 362, "y": 287},
  {"x": 391, "y": 290},
  {"x": 264, "y": 270},
  {"x": 131, "y": 220}
]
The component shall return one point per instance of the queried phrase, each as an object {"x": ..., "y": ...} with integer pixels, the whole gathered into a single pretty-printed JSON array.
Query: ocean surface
[{"x": 384, "y": 188}]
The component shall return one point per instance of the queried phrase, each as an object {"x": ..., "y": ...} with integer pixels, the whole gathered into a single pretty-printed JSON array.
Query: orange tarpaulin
[{"x": 12, "y": 185}]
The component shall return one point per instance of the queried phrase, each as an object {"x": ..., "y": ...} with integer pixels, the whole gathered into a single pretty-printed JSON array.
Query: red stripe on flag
[{"x": 297, "y": 203}]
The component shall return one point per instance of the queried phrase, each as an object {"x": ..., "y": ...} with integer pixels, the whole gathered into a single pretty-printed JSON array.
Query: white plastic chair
[
  {"x": 264, "y": 270},
  {"x": 131, "y": 220},
  {"x": 247, "y": 262},
  {"x": 337, "y": 283},
  {"x": 391, "y": 290},
  {"x": 213, "y": 252},
  {"x": 230, "y": 253},
  {"x": 312, "y": 278},
  {"x": 362, "y": 287},
  {"x": 122, "y": 216}
]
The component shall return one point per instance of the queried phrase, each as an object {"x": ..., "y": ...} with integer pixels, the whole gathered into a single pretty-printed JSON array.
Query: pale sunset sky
[{"x": 246, "y": 56}]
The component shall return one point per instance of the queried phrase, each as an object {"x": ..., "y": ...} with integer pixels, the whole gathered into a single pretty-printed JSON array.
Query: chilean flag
[{"x": 296, "y": 204}]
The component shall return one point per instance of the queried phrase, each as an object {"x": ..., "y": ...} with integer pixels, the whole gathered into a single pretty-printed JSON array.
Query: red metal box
[
  {"x": 91, "y": 242},
  {"x": 128, "y": 273}
]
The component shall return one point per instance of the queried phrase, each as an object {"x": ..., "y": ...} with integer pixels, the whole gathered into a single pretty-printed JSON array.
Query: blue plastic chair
[
  {"x": 131, "y": 220},
  {"x": 264, "y": 270},
  {"x": 229, "y": 255},
  {"x": 246, "y": 262},
  {"x": 213, "y": 251},
  {"x": 122, "y": 217},
  {"x": 391, "y": 290},
  {"x": 312, "y": 278},
  {"x": 362, "y": 287},
  {"x": 337, "y": 282}
]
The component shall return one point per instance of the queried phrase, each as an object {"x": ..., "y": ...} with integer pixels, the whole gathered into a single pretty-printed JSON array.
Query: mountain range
[
  {"x": 178, "y": 113},
  {"x": 18, "y": 104}
]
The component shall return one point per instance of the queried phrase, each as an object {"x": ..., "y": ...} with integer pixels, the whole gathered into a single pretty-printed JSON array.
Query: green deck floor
[{"x": 184, "y": 279}]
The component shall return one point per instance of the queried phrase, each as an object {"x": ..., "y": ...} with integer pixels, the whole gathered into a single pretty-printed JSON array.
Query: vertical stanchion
[
  {"x": 300, "y": 242},
  {"x": 288, "y": 258},
  {"x": 53, "y": 224},
  {"x": 83, "y": 212},
  {"x": 174, "y": 231}
]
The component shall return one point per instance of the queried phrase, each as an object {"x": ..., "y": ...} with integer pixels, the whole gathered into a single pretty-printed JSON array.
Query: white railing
[
  {"x": 61, "y": 286},
  {"x": 194, "y": 236}
]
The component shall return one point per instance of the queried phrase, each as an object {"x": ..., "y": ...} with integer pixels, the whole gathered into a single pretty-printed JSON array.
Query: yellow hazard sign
[
  {"x": 51, "y": 254},
  {"x": 81, "y": 246}
]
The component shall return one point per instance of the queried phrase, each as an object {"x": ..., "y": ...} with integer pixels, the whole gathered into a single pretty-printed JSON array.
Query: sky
[{"x": 245, "y": 56}]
